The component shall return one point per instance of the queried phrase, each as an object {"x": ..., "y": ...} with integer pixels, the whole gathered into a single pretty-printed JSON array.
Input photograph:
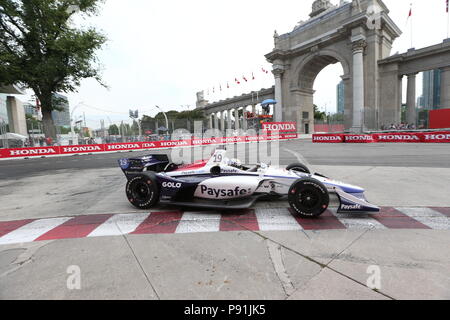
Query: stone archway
[{"x": 357, "y": 35}]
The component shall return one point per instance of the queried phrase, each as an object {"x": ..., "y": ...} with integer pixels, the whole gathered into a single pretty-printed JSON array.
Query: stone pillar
[
  {"x": 445, "y": 88},
  {"x": 229, "y": 119},
  {"x": 16, "y": 114},
  {"x": 244, "y": 121},
  {"x": 411, "y": 117},
  {"x": 358, "y": 86},
  {"x": 211, "y": 121},
  {"x": 254, "y": 110},
  {"x": 278, "y": 108},
  {"x": 222, "y": 121},
  {"x": 216, "y": 120},
  {"x": 236, "y": 119}
]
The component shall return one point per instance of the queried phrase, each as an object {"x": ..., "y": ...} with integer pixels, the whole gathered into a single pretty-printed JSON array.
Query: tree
[
  {"x": 42, "y": 50},
  {"x": 318, "y": 115},
  {"x": 113, "y": 130}
]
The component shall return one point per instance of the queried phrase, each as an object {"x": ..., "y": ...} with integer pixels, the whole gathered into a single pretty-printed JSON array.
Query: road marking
[
  {"x": 119, "y": 224},
  {"x": 264, "y": 219},
  {"x": 246, "y": 220},
  {"x": 428, "y": 217},
  {"x": 358, "y": 222},
  {"x": 160, "y": 222},
  {"x": 327, "y": 221},
  {"x": 394, "y": 219},
  {"x": 78, "y": 227},
  {"x": 32, "y": 231},
  {"x": 276, "y": 220},
  {"x": 193, "y": 222}
]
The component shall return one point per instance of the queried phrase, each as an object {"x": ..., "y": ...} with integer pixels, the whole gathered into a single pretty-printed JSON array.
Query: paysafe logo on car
[{"x": 225, "y": 193}]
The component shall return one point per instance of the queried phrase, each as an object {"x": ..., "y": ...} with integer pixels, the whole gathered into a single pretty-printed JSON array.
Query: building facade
[
  {"x": 431, "y": 89},
  {"x": 61, "y": 118}
]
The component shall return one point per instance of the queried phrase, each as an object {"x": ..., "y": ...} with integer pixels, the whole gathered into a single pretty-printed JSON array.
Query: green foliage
[
  {"x": 113, "y": 130},
  {"x": 318, "y": 115},
  {"x": 42, "y": 50}
]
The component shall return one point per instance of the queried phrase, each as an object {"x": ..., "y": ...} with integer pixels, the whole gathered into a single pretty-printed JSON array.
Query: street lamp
[
  {"x": 72, "y": 132},
  {"x": 165, "y": 116}
]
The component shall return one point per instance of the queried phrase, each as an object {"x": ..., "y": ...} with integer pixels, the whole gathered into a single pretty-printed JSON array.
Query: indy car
[{"x": 226, "y": 184}]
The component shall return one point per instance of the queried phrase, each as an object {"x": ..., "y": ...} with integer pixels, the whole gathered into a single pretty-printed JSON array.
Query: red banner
[
  {"x": 29, "y": 152},
  {"x": 328, "y": 138},
  {"x": 280, "y": 126},
  {"x": 400, "y": 137},
  {"x": 129, "y": 146},
  {"x": 82, "y": 149},
  {"x": 359, "y": 138}
]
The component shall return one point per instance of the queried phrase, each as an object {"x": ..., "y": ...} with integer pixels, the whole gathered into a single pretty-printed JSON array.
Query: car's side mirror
[{"x": 215, "y": 171}]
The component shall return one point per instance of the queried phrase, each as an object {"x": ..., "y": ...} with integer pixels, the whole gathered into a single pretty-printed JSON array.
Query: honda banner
[
  {"x": 279, "y": 127},
  {"x": 130, "y": 146},
  {"x": 399, "y": 137},
  {"x": 328, "y": 138}
]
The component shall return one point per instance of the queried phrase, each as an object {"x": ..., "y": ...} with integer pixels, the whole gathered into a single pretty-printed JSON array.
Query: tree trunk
[{"x": 49, "y": 126}]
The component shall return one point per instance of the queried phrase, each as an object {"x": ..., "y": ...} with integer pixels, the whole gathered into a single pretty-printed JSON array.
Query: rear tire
[
  {"x": 298, "y": 167},
  {"x": 309, "y": 198},
  {"x": 143, "y": 191}
]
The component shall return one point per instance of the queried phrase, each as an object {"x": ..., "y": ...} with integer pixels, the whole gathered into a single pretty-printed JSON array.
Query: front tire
[
  {"x": 299, "y": 168},
  {"x": 309, "y": 198},
  {"x": 143, "y": 191}
]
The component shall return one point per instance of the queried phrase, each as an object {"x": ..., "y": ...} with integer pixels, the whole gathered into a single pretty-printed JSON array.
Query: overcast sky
[{"x": 163, "y": 52}]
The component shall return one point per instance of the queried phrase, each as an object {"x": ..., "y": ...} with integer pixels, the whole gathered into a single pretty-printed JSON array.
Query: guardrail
[
  {"x": 393, "y": 137},
  {"x": 134, "y": 146}
]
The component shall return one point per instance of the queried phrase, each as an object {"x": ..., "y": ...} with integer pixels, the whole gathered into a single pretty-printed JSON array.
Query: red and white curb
[{"x": 171, "y": 222}]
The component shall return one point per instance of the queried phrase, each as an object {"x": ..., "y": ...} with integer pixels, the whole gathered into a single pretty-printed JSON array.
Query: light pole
[
  {"x": 72, "y": 132},
  {"x": 165, "y": 116}
]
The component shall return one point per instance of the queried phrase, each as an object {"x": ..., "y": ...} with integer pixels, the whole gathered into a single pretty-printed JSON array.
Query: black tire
[
  {"x": 298, "y": 167},
  {"x": 143, "y": 190},
  {"x": 309, "y": 198}
]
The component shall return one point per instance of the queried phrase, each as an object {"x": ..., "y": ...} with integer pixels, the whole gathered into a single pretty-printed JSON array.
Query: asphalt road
[{"x": 379, "y": 155}]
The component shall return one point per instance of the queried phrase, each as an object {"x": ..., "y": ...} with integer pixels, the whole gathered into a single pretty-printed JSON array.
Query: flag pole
[{"x": 411, "y": 28}]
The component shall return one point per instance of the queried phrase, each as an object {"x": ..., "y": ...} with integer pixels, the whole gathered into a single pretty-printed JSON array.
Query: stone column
[
  {"x": 229, "y": 119},
  {"x": 411, "y": 117},
  {"x": 278, "y": 108},
  {"x": 254, "y": 110},
  {"x": 211, "y": 121},
  {"x": 236, "y": 119},
  {"x": 16, "y": 114},
  {"x": 358, "y": 86},
  {"x": 222, "y": 121},
  {"x": 244, "y": 121},
  {"x": 445, "y": 88},
  {"x": 216, "y": 120}
]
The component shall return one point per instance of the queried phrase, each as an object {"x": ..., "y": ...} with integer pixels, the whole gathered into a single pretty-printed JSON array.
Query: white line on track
[
  {"x": 32, "y": 231},
  {"x": 119, "y": 224},
  {"x": 192, "y": 222},
  {"x": 276, "y": 220},
  {"x": 433, "y": 219}
]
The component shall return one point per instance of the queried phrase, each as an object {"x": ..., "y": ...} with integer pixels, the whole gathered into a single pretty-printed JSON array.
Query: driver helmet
[{"x": 235, "y": 163}]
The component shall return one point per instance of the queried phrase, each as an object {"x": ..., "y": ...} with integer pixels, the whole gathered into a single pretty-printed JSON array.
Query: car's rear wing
[{"x": 154, "y": 162}]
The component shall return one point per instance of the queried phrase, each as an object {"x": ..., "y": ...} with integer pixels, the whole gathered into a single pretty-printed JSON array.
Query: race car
[{"x": 226, "y": 184}]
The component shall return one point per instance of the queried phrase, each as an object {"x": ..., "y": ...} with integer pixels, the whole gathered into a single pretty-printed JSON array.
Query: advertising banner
[
  {"x": 280, "y": 126},
  {"x": 328, "y": 138}
]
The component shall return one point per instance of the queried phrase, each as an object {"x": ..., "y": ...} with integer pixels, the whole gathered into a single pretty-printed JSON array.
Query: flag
[
  {"x": 410, "y": 12},
  {"x": 243, "y": 77},
  {"x": 253, "y": 76},
  {"x": 446, "y": 7},
  {"x": 228, "y": 85},
  {"x": 237, "y": 81},
  {"x": 220, "y": 87}
]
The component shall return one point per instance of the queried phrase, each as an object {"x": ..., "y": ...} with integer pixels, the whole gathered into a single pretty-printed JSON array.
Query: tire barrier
[
  {"x": 399, "y": 137},
  {"x": 134, "y": 146}
]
